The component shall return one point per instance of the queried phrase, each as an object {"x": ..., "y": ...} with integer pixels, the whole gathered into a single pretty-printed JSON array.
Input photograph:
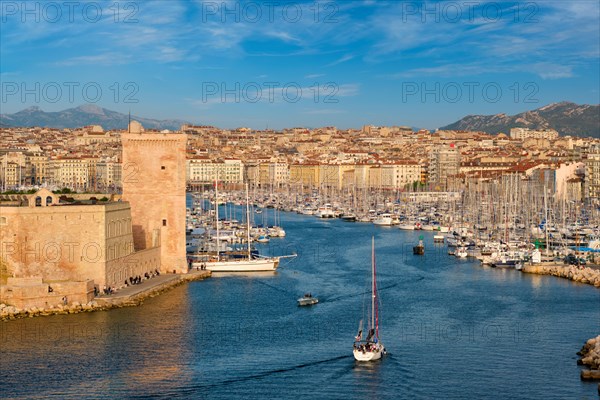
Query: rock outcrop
[{"x": 590, "y": 357}]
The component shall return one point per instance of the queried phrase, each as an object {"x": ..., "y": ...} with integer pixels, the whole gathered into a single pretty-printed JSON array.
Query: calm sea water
[{"x": 453, "y": 330}]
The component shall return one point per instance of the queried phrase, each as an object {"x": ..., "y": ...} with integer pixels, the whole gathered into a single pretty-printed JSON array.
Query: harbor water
[{"x": 453, "y": 329}]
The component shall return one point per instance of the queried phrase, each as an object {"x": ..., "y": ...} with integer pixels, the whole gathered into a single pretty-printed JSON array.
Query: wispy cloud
[{"x": 341, "y": 60}]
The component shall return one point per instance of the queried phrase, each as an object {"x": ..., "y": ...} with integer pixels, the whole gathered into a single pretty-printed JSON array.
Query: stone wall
[
  {"x": 154, "y": 182},
  {"x": 33, "y": 292},
  {"x": 138, "y": 263},
  {"x": 66, "y": 242}
]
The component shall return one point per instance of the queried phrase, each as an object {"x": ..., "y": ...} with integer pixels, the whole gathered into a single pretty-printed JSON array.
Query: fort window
[
  {"x": 38, "y": 201},
  {"x": 162, "y": 167},
  {"x": 48, "y": 200},
  {"x": 164, "y": 222}
]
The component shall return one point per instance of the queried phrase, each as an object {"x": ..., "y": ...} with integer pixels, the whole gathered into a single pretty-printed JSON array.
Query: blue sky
[{"x": 340, "y": 63}]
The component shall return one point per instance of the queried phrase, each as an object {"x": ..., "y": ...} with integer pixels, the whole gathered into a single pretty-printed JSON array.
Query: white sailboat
[
  {"x": 371, "y": 348},
  {"x": 249, "y": 264}
]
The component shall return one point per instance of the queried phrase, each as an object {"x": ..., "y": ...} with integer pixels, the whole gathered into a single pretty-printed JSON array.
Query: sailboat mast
[
  {"x": 248, "y": 222},
  {"x": 217, "y": 217},
  {"x": 546, "y": 219},
  {"x": 373, "y": 282}
]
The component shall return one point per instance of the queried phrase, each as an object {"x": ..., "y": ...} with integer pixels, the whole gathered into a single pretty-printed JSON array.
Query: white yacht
[
  {"x": 384, "y": 219},
  {"x": 407, "y": 226},
  {"x": 248, "y": 264},
  {"x": 325, "y": 211}
]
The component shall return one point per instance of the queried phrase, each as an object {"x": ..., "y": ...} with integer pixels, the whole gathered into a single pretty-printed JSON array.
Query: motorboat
[{"x": 307, "y": 300}]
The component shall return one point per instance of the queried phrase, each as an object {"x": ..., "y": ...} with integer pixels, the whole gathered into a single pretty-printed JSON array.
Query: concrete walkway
[
  {"x": 134, "y": 290},
  {"x": 148, "y": 288}
]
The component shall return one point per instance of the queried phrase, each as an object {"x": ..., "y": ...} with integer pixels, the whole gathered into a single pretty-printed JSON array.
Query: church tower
[{"x": 154, "y": 182}]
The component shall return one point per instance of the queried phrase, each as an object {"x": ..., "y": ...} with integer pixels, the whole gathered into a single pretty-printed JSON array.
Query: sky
[{"x": 279, "y": 64}]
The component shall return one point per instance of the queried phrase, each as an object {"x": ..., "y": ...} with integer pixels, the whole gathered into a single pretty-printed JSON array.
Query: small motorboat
[
  {"x": 263, "y": 239},
  {"x": 307, "y": 300}
]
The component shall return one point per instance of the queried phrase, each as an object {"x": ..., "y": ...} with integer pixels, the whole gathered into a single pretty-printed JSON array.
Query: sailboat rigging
[
  {"x": 371, "y": 348},
  {"x": 250, "y": 264}
]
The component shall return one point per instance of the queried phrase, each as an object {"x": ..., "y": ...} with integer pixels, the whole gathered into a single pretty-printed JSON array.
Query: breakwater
[
  {"x": 126, "y": 298},
  {"x": 590, "y": 357},
  {"x": 577, "y": 274}
]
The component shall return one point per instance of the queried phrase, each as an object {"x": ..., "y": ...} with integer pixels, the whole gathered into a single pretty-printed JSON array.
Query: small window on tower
[
  {"x": 162, "y": 167},
  {"x": 164, "y": 222}
]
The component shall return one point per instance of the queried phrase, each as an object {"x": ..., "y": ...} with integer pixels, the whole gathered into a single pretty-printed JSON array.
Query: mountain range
[
  {"x": 565, "y": 117},
  {"x": 87, "y": 114}
]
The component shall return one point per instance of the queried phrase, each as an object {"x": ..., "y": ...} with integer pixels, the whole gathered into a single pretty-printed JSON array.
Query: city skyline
[{"x": 346, "y": 64}]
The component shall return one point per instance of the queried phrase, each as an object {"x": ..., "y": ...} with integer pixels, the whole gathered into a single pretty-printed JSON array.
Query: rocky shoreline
[
  {"x": 586, "y": 275},
  {"x": 590, "y": 357},
  {"x": 8, "y": 313}
]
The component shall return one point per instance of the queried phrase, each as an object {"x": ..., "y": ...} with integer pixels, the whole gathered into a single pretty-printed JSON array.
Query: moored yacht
[
  {"x": 325, "y": 211},
  {"x": 384, "y": 219}
]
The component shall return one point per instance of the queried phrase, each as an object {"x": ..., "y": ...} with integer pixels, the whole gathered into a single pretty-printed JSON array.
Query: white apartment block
[
  {"x": 279, "y": 173},
  {"x": 444, "y": 162},
  {"x": 71, "y": 172},
  {"x": 398, "y": 175},
  {"x": 108, "y": 174},
  {"x": 592, "y": 174},
  {"x": 206, "y": 170},
  {"x": 524, "y": 133}
]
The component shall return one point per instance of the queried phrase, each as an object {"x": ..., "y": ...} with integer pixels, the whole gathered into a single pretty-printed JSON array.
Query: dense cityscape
[{"x": 88, "y": 159}]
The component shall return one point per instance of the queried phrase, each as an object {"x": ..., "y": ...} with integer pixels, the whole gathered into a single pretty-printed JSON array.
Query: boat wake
[
  {"x": 191, "y": 390},
  {"x": 278, "y": 289}
]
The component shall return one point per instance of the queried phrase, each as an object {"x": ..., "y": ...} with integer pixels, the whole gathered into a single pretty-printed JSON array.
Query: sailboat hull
[
  {"x": 260, "y": 264},
  {"x": 360, "y": 355}
]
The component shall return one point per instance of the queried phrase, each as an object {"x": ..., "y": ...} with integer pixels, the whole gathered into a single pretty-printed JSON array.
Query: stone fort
[{"x": 52, "y": 246}]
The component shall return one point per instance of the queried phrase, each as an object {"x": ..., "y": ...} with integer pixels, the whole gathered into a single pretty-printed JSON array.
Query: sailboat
[
  {"x": 249, "y": 264},
  {"x": 371, "y": 348}
]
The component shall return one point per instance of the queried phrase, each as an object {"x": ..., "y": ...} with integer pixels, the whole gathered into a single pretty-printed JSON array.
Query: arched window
[
  {"x": 38, "y": 201},
  {"x": 48, "y": 200}
]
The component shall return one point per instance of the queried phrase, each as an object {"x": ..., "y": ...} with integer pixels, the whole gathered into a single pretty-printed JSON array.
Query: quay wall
[{"x": 102, "y": 303}]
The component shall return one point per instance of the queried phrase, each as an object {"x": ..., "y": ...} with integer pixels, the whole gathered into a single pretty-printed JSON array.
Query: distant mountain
[
  {"x": 567, "y": 118},
  {"x": 88, "y": 114}
]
